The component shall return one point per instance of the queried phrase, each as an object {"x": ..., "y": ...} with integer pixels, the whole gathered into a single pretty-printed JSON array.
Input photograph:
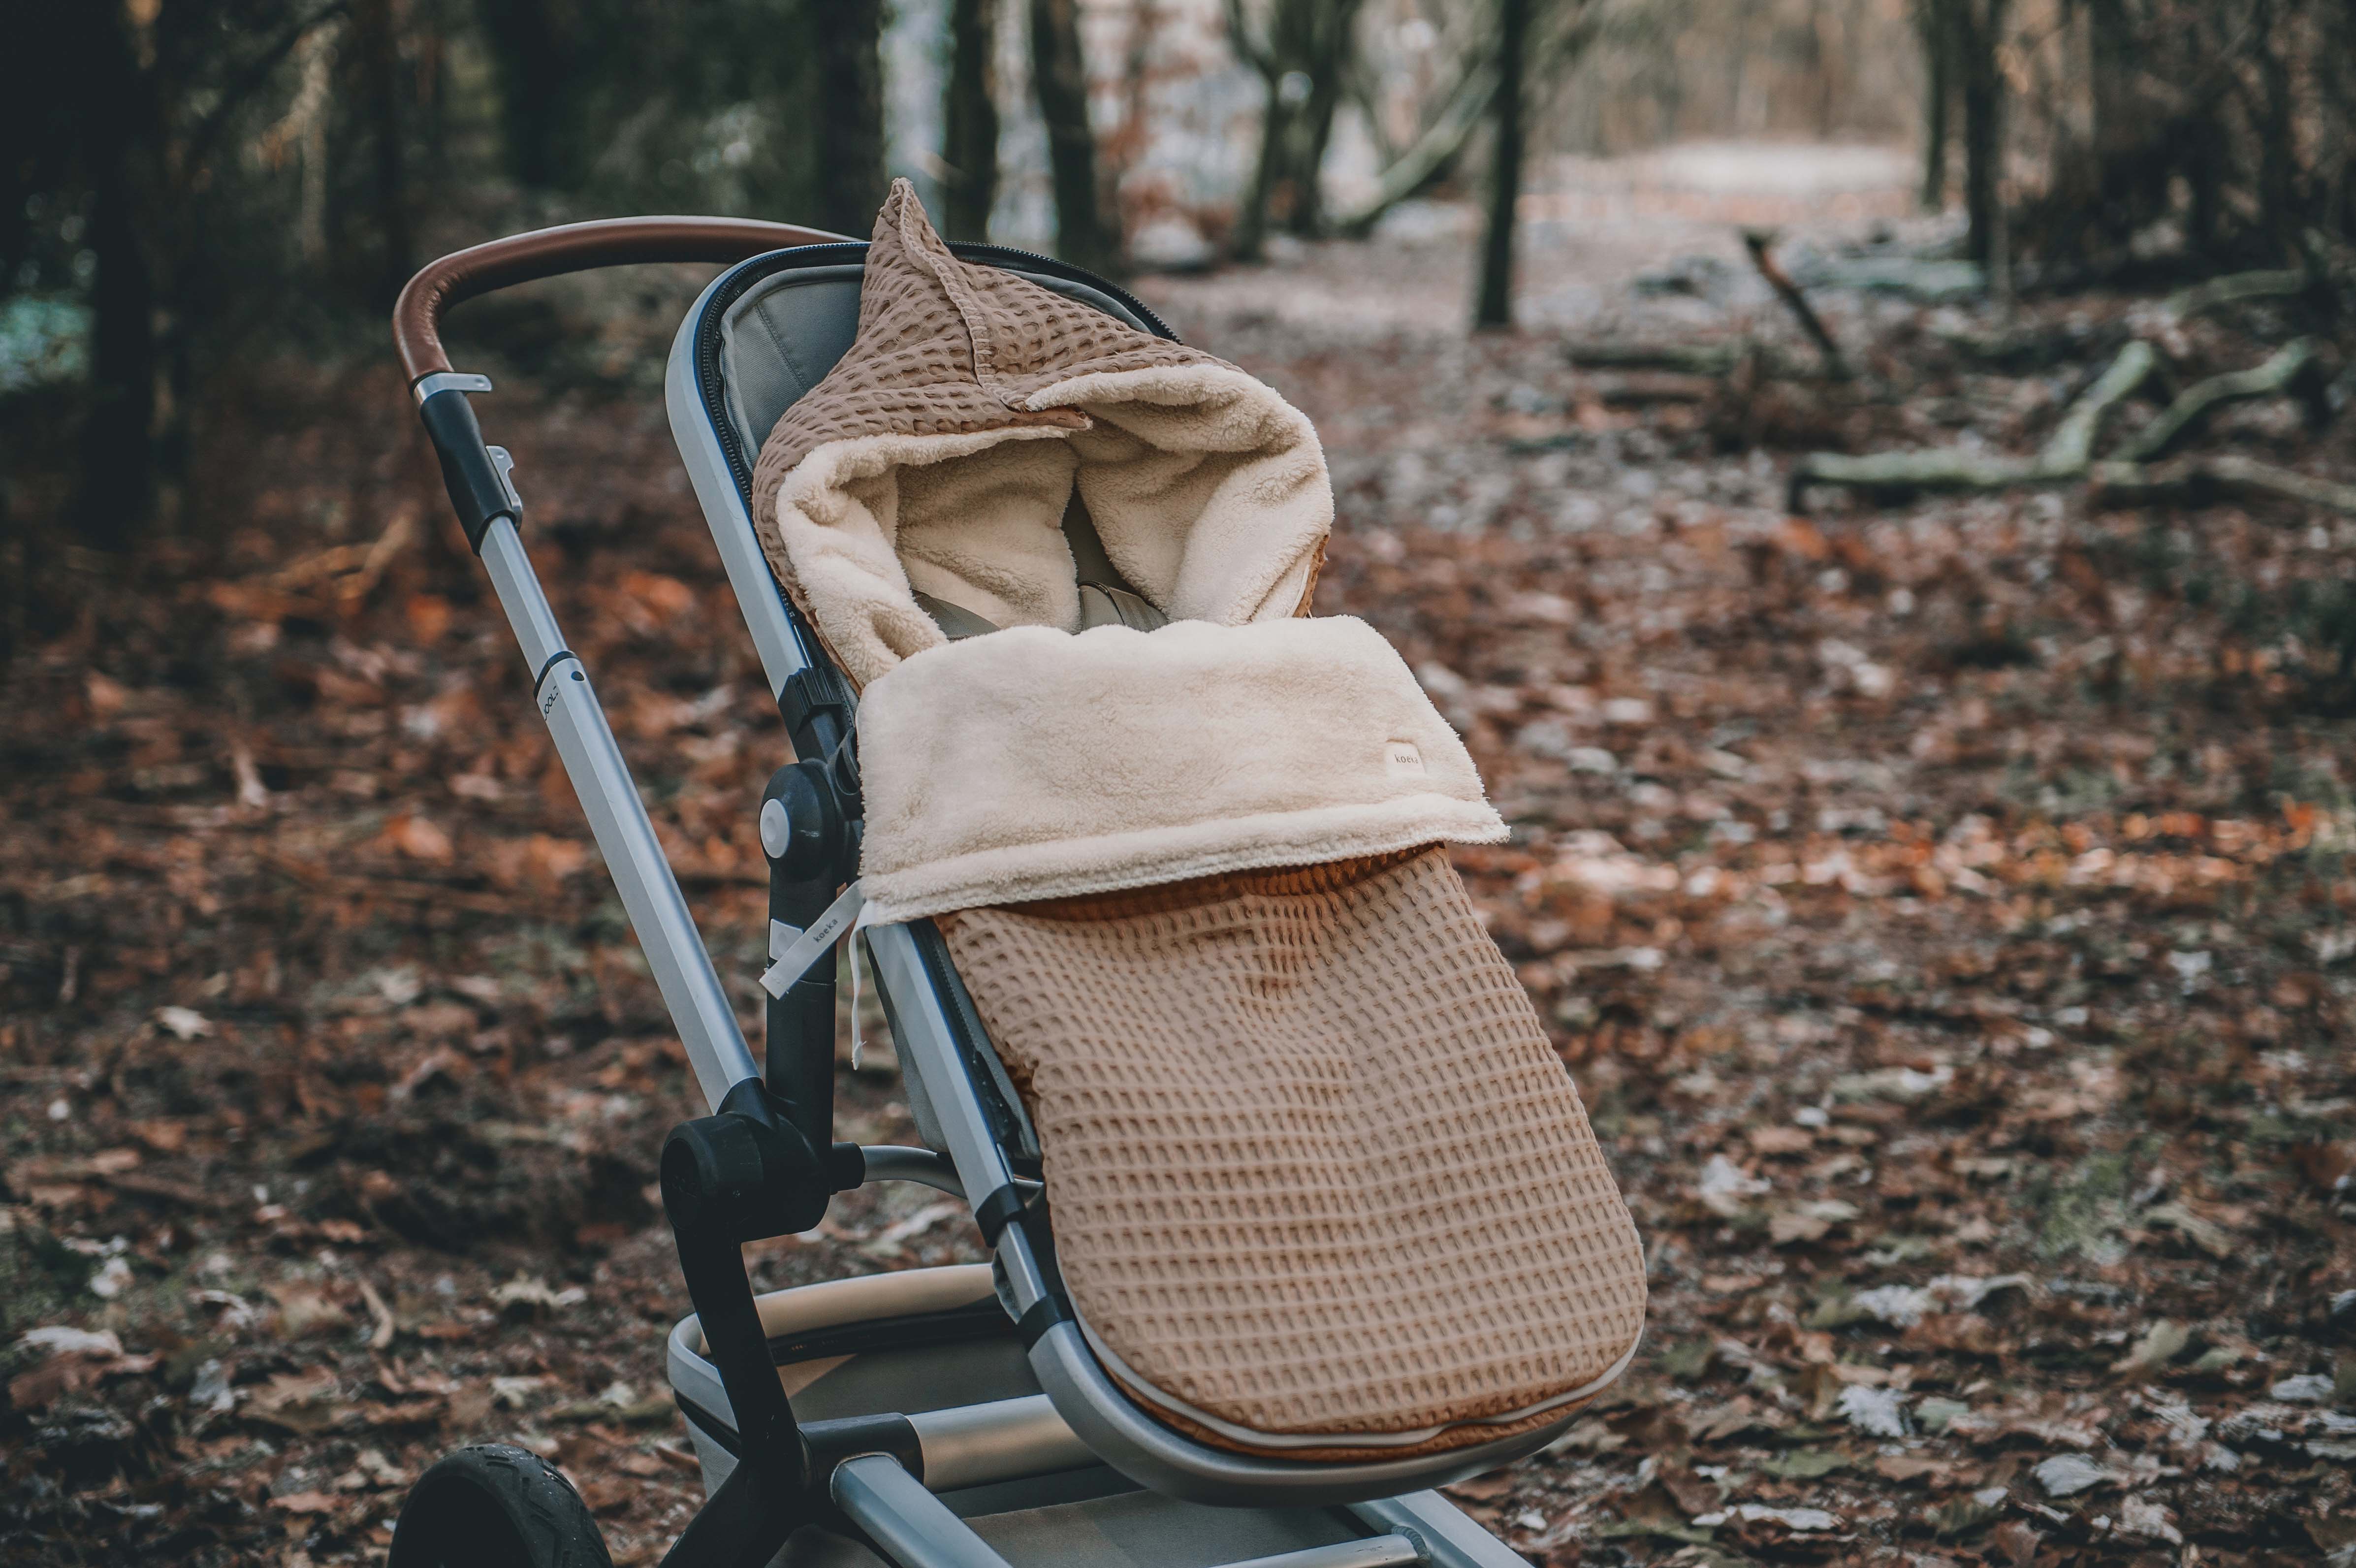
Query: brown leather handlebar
[{"x": 570, "y": 248}]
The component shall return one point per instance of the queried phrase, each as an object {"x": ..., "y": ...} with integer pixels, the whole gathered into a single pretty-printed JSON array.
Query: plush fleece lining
[
  {"x": 939, "y": 455},
  {"x": 1030, "y": 764}
]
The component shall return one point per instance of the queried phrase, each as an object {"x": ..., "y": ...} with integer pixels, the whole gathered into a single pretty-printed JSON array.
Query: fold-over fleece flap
[
  {"x": 941, "y": 452},
  {"x": 1035, "y": 763}
]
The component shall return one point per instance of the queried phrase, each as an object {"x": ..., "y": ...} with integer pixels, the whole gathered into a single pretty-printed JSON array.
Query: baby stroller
[{"x": 1293, "y": 1215}]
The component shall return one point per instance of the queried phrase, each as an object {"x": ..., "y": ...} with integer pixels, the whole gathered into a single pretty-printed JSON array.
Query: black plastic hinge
[
  {"x": 1006, "y": 1206},
  {"x": 813, "y": 689},
  {"x": 833, "y": 1442}
]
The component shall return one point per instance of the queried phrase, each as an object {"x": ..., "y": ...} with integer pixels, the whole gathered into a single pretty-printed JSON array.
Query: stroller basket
[{"x": 981, "y": 1415}]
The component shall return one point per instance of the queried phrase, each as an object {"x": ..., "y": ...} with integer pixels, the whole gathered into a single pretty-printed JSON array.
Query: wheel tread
[{"x": 452, "y": 1516}]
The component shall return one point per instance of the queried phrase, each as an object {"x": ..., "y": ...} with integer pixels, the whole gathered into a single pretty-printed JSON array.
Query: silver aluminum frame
[{"x": 675, "y": 952}]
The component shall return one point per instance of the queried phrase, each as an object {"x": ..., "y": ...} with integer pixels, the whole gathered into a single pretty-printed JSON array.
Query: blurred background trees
[{"x": 189, "y": 187}]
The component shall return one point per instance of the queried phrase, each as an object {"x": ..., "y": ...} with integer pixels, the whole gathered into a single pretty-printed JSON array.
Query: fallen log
[
  {"x": 2196, "y": 482},
  {"x": 2235, "y": 289},
  {"x": 2295, "y": 370},
  {"x": 2071, "y": 446},
  {"x": 1688, "y": 359},
  {"x": 2021, "y": 350},
  {"x": 1646, "y": 388},
  {"x": 1932, "y": 469},
  {"x": 1925, "y": 282},
  {"x": 2062, "y": 459}
]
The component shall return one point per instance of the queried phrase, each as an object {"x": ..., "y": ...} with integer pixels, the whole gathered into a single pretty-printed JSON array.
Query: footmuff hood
[{"x": 940, "y": 454}]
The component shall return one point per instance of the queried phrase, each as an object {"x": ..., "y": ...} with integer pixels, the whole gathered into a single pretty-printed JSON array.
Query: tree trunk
[
  {"x": 2118, "y": 138},
  {"x": 1059, "y": 75},
  {"x": 1304, "y": 62},
  {"x": 2271, "y": 115},
  {"x": 1310, "y": 137},
  {"x": 118, "y": 468},
  {"x": 1494, "y": 307},
  {"x": 380, "y": 62},
  {"x": 532, "y": 58},
  {"x": 1979, "y": 29},
  {"x": 1251, "y": 219},
  {"x": 1430, "y": 154},
  {"x": 849, "y": 36},
  {"x": 970, "y": 116},
  {"x": 117, "y": 496},
  {"x": 1935, "y": 24}
]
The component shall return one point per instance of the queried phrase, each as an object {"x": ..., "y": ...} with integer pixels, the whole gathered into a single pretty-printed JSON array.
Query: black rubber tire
[{"x": 493, "y": 1505}]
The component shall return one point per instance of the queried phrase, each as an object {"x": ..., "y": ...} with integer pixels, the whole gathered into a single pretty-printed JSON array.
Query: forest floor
[{"x": 1942, "y": 903}]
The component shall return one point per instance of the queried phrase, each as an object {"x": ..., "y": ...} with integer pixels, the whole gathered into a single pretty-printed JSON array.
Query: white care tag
[{"x": 811, "y": 945}]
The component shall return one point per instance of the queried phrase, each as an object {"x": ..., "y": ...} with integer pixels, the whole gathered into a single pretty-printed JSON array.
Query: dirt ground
[{"x": 1941, "y": 904}]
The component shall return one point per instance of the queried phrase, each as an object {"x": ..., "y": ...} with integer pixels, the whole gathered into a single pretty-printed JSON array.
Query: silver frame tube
[
  {"x": 895, "y": 1162},
  {"x": 972, "y": 1444},
  {"x": 1450, "y": 1539},
  {"x": 915, "y": 1528},
  {"x": 928, "y": 1053},
  {"x": 517, "y": 586},
  {"x": 681, "y": 965},
  {"x": 1153, "y": 1455}
]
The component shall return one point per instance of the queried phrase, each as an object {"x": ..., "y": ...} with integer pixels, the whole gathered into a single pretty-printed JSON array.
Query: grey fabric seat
[{"x": 787, "y": 331}]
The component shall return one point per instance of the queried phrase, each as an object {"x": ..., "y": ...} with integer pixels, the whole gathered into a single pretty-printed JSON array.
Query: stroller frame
[{"x": 926, "y": 1483}]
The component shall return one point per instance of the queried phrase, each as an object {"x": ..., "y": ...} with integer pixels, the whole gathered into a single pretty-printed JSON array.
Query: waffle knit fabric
[{"x": 1321, "y": 1187}]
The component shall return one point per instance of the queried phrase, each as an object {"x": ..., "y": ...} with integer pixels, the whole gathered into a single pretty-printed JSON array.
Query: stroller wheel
[{"x": 493, "y": 1505}]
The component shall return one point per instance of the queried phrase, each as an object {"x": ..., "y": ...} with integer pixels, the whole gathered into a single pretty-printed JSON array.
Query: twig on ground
[
  {"x": 2071, "y": 446},
  {"x": 1761, "y": 243},
  {"x": 2021, "y": 350}
]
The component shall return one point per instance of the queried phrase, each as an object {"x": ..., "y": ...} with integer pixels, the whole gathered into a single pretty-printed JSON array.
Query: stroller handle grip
[{"x": 570, "y": 248}]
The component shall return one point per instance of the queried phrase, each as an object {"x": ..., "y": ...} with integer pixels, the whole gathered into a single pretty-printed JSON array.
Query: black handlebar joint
[{"x": 479, "y": 487}]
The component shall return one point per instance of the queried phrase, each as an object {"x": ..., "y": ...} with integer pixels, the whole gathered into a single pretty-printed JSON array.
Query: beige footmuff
[{"x": 1320, "y": 1188}]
